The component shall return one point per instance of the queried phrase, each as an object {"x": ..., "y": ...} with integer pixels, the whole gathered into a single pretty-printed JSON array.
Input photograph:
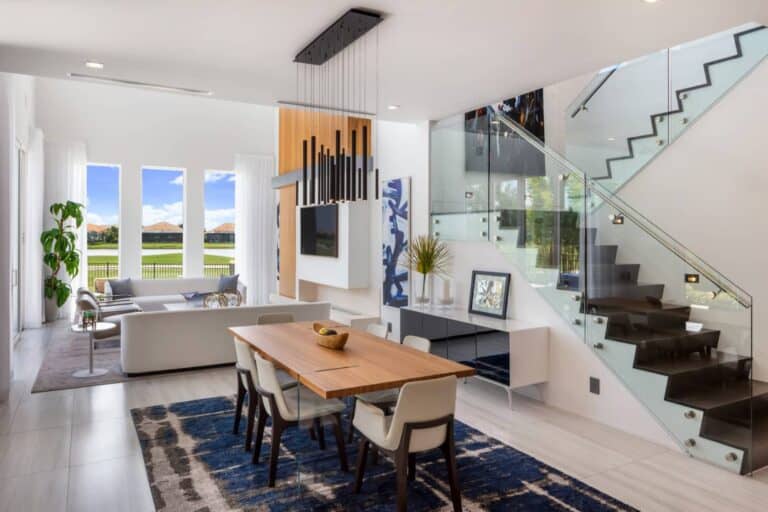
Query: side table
[{"x": 99, "y": 327}]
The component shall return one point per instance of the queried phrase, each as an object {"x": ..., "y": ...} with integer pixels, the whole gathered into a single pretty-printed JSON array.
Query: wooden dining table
[{"x": 367, "y": 362}]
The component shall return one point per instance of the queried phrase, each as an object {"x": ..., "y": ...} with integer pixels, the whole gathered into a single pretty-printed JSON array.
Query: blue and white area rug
[{"x": 195, "y": 463}]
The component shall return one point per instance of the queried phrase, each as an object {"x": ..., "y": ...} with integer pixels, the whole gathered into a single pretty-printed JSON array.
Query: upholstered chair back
[
  {"x": 418, "y": 343},
  {"x": 379, "y": 330},
  {"x": 268, "y": 381},
  {"x": 422, "y": 401},
  {"x": 245, "y": 360}
]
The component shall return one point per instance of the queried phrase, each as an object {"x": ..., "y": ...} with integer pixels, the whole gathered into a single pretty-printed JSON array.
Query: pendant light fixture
[{"x": 332, "y": 83}]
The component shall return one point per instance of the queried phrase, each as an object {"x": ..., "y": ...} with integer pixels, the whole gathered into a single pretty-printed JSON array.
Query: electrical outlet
[{"x": 594, "y": 385}]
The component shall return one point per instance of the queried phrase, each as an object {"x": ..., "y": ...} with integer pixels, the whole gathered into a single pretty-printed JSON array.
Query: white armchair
[{"x": 422, "y": 420}]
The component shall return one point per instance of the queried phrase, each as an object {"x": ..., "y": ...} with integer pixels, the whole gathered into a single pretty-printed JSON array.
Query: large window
[
  {"x": 219, "y": 238},
  {"x": 103, "y": 207},
  {"x": 162, "y": 219}
]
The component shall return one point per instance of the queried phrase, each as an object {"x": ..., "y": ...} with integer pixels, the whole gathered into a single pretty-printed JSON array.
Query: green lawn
[
  {"x": 168, "y": 259},
  {"x": 160, "y": 245}
]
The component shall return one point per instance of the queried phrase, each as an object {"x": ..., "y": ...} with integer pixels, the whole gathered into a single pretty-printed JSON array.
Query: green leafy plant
[
  {"x": 428, "y": 255},
  {"x": 60, "y": 249}
]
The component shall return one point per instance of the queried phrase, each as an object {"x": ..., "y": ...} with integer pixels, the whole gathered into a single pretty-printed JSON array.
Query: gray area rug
[{"x": 68, "y": 352}]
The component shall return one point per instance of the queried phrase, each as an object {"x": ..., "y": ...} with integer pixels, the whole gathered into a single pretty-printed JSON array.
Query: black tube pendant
[
  {"x": 354, "y": 165},
  {"x": 343, "y": 164},
  {"x": 327, "y": 175},
  {"x": 377, "y": 182},
  {"x": 336, "y": 166},
  {"x": 365, "y": 162},
  {"x": 313, "y": 170},
  {"x": 348, "y": 173},
  {"x": 296, "y": 186},
  {"x": 304, "y": 173},
  {"x": 359, "y": 190}
]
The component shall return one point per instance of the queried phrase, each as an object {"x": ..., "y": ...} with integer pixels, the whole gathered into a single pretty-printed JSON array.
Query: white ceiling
[{"x": 437, "y": 57}]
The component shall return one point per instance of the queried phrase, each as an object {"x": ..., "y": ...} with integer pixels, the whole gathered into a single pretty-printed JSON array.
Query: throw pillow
[
  {"x": 228, "y": 283},
  {"x": 121, "y": 287}
]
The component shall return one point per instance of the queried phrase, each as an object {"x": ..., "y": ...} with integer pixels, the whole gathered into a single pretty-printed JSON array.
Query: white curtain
[
  {"x": 255, "y": 217},
  {"x": 33, "y": 225},
  {"x": 65, "y": 173}
]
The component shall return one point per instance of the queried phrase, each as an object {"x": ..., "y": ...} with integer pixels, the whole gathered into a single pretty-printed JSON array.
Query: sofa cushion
[
  {"x": 156, "y": 302},
  {"x": 228, "y": 283},
  {"x": 121, "y": 287}
]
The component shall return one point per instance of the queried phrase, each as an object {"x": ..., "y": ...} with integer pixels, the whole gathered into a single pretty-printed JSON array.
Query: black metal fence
[{"x": 155, "y": 271}]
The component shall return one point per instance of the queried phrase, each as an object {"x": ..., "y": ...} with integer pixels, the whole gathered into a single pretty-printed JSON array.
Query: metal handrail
[{"x": 652, "y": 230}]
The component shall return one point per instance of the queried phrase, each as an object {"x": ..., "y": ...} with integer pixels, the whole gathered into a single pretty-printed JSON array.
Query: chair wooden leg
[
  {"x": 411, "y": 467},
  {"x": 312, "y": 434},
  {"x": 362, "y": 456},
  {"x": 351, "y": 419},
  {"x": 449, "y": 450},
  {"x": 253, "y": 404},
  {"x": 239, "y": 406},
  {"x": 274, "y": 454},
  {"x": 340, "y": 445},
  {"x": 259, "y": 435},
  {"x": 318, "y": 427},
  {"x": 375, "y": 455},
  {"x": 401, "y": 471}
]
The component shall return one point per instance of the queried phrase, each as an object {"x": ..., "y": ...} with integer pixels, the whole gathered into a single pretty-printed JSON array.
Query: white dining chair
[
  {"x": 247, "y": 376},
  {"x": 283, "y": 407},
  {"x": 387, "y": 397},
  {"x": 379, "y": 330},
  {"x": 422, "y": 421}
]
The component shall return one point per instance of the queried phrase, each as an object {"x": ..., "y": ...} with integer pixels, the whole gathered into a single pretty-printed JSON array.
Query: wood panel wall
[{"x": 294, "y": 127}]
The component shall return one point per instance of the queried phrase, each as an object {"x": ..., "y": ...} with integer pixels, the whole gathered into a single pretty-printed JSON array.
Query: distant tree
[{"x": 112, "y": 235}]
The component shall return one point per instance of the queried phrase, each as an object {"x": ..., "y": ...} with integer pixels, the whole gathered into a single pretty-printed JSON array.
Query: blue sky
[
  {"x": 103, "y": 192},
  {"x": 162, "y": 196}
]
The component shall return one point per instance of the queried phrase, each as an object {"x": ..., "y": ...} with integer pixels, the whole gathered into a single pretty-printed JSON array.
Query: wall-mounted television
[{"x": 320, "y": 230}]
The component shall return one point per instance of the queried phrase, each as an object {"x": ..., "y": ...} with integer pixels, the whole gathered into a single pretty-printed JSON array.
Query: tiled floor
[{"x": 77, "y": 449}]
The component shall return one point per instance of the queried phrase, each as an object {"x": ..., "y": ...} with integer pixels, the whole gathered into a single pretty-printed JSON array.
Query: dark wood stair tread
[
  {"x": 692, "y": 363},
  {"x": 637, "y": 306},
  {"x": 712, "y": 397}
]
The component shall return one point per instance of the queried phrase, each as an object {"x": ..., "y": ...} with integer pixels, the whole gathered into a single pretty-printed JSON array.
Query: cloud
[
  {"x": 214, "y": 176},
  {"x": 217, "y": 217},
  {"x": 101, "y": 220},
  {"x": 178, "y": 180},
  {"x": 173, "y": 213}
]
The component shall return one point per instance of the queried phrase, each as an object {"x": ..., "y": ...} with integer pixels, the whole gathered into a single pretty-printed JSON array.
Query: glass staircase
[
  {"x": 673, "y": 329},
  {"x": 629, "y": 113}
]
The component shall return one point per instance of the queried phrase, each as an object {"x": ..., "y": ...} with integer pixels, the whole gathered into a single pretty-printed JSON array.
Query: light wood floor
[{"x": 77, "y": 450}]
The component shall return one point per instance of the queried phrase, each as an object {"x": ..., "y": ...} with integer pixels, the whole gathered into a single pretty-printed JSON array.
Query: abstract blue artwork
[{"x": 395, "y": 237}]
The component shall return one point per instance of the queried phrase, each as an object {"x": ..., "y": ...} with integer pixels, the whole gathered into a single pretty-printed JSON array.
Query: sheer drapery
[
  {"x": 32, "y": 277},
  {"x": 65, "y": 172},
  {"x": 255, "y": 229}
]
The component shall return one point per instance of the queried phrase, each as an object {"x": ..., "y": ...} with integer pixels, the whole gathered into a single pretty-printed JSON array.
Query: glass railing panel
[
  {"x": 602, "y": 131},
  {"x": 627, "y": 114},
  {"x": 702, "y": 71},
  {"x": 675, "y": 331}
]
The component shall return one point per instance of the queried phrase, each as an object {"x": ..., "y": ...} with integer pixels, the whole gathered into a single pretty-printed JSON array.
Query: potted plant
[
  {"x": 428, "y": 255},
  {"x": 60, "y": 250}
]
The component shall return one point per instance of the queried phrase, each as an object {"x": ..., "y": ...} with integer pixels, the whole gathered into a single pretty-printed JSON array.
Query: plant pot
[{"x": 51, "y": 310}]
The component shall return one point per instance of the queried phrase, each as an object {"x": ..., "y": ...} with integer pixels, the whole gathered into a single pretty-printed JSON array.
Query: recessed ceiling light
[
  {"x": 393, "y": 107},
  {"x": 92, "y": 64},
  {"x": 611, "y": 139},
  {"x": 650, "y": 1}
]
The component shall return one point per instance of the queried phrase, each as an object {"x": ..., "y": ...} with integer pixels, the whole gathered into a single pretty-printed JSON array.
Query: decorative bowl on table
[{"x": 328, "y": 337}]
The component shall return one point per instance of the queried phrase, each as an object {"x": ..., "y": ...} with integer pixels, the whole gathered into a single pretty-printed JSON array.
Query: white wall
[
  {"x": 16, "y": 125},
  {"x": 135, "y": 128},
  {"x": 708, "y": 191}
]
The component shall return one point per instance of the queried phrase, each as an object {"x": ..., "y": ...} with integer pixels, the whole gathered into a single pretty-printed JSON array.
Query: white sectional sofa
[
  {"x": 168, "y": 340},
  {"x": 151, "y": 294}
]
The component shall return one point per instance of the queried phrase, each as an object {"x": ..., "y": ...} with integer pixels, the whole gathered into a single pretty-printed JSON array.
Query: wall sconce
[
  {"x": 617, "y": 218},
  {"x": 692, "y": 278}
]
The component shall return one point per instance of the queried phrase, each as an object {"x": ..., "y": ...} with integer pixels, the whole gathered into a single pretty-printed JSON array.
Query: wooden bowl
[{"x": 332, "y": 341}]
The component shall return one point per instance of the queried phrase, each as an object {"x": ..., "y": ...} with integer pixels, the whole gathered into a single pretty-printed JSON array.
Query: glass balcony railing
[
  {"x": 629, "y": 113},
  {"x": 674, "y": 330}
]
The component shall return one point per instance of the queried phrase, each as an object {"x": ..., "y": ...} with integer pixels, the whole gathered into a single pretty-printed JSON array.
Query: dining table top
[{"x": 367, "y": 362}]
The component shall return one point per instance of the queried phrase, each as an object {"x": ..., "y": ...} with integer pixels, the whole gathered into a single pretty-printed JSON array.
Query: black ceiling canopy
[{"x": 342, "y": 32}]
